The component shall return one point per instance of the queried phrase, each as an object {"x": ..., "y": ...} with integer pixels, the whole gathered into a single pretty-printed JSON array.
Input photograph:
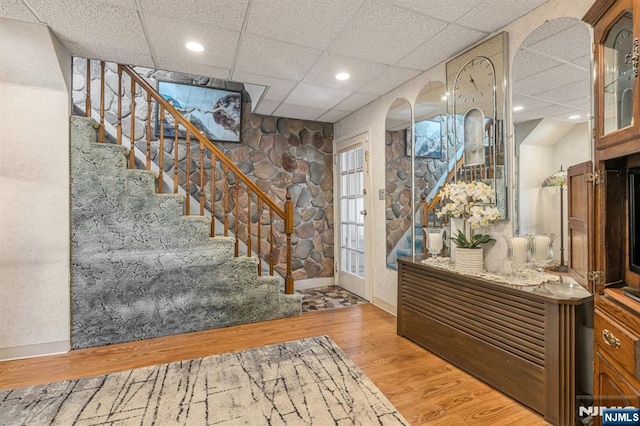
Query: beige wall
[
  {"x": 34, "y": 177},
  {"x": 371, "y": 118}
]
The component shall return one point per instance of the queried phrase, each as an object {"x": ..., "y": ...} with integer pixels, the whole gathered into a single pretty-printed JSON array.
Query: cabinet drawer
[{"x": 617, "y": 342}]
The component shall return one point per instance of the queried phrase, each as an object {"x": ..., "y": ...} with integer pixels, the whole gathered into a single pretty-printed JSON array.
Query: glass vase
[{"x": 541, "y": 250}]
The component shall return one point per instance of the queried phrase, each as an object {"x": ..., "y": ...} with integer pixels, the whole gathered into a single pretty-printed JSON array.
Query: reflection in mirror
[
  {"x": 551, "y": 112},
  {"x": 428, "y": 151},
  {"x": 397, "y": 178}
]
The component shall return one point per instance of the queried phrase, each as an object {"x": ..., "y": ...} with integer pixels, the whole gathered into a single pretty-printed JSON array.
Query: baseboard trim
[
  {"x": 38, "y": 349},
  {"x": 392, "y": 309},
  {"x": 313, "y": 283}
]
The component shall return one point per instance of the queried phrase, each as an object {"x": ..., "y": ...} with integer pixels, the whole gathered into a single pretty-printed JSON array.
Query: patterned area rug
[
  {"x": 303, "y": 382},
  {"x": 331, "y": 297}
]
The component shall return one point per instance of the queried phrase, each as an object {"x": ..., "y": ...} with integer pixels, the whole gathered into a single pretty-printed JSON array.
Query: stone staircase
[{"x": 140, "y": 269}]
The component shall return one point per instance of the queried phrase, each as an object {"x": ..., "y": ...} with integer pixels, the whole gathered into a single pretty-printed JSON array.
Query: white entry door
[{"x": 352, "y": 214}]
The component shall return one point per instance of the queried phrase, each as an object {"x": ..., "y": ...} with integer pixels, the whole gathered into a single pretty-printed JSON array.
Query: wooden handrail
[
  {"x": 201, "y": 138},
  {"x": 249, "y": 188}
]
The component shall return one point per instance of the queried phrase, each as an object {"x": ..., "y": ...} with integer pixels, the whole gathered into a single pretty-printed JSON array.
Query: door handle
[{"x": 363, "y": 212}]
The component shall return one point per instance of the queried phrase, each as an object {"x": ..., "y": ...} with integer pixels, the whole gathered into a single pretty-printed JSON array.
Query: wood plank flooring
[{"x": 424, "y": 388}]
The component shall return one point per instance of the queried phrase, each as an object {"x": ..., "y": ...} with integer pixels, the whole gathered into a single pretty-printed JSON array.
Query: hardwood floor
[{"x": 426, "y": 389}]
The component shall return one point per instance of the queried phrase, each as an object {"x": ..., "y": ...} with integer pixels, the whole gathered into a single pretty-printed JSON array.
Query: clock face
[
  {"x": 623, "y": 44},
  {"x": 475, "y": 82}
]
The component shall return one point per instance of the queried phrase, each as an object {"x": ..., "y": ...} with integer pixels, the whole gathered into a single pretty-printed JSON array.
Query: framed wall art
[
  {"x": 217, "y": 113},
  {"x": 428, "y": 139}
]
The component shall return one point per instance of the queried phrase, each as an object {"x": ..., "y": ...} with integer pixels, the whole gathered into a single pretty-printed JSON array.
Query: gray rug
[{"x": 303, "y": 382}]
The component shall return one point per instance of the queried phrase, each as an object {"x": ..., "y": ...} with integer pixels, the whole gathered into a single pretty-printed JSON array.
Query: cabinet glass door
[{"x": 618, "y": 75}]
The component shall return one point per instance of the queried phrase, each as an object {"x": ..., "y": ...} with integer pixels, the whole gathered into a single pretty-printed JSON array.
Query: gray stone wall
[{"x": 279, "y": 154}]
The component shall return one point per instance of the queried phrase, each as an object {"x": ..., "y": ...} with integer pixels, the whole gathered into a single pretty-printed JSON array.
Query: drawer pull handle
[{"x": 610, "y": 339}]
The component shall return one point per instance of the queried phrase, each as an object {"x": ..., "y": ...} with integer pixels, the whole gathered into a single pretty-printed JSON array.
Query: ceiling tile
[
  {"x": 390, "y": 79},
  {"x": 569, "y": 44},
  {"x": 528, "y": 63},
  {"x": 307, "y": 22},
  {"x": 191, "y": 68},
  {"x": 445, "y": 10},
  {"x": 316, "y": 96},
  {"x": 274, "y": 58},
  {"x": 356, "y": 101},
  {"x": 169, "y": 35},
  {"x": 266, "y": 107},
  {"x": 583, "y": 62},
  {"x": 548, "y": 29},
  {"x": 578, "y": 90},
  {"x": 393, "y": 31},
  {"x": 324, "y": 71},
  {"x": 492, "y": 15},
  {"x": 15, "y": 9},
  {"x": 300, "y": 112},
  {"x": 547, "y": 80},
  {"x": 214, "y": 13},
  {"x": 90, "y": 23},
  {"x": 277, "y": 90},
  {"x": 444, "y": 45},
  {"x": 110, "y": 53},
  {"x": 333, "y": 115}
]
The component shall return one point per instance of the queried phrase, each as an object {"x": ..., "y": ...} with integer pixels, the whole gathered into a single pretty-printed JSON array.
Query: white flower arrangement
[{"x": 470, "y": 201}]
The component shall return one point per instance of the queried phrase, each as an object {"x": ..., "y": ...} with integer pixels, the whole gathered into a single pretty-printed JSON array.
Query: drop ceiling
[{"x": 293, "y": 48}]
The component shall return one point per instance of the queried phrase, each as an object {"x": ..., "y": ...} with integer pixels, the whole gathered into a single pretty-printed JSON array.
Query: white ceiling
[{"x": 294, "y": 47}]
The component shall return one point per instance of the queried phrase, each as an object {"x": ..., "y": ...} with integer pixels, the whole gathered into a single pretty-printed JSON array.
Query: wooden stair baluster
[
  {"x": 148, "y": 165},
  {"x": 225, "y": 219},
  {"x": 87, "y": 85},
  {"x": 132, "y": 135},
  {"x": 288, "y": 229},
  {"x": 161, "y": 153},
  {"x": 187, "y": 169},
  {"x": 237, "y": 214},
  {"x": 248, "y": 222},
  {"x": 213, "y": 194},
  {"x": 202, "y": 187},
  {"x": 270, "y": 241},
  {"x": 259, "y": 207},
  {"x": 102, "y": 83},
  {"x": 176, "y": 148},
  {"x": 119, "y": 124}
]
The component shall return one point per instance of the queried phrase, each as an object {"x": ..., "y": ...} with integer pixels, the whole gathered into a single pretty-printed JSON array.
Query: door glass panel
[
  {"x": 618, "y": 75},
  {"x": 352, "y": 209}
]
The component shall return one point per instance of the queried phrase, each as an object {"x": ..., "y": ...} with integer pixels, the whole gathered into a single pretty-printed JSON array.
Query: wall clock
[{"x": 476, "y": 111}]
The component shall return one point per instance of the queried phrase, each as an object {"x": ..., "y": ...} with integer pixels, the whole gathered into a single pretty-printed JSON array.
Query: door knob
[{"x": 363, "y": 212}]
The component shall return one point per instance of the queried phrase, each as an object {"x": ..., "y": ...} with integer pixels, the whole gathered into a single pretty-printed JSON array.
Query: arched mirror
[
  {"x": 551, "y": 116},
  {"x": 397, "y": 178}
]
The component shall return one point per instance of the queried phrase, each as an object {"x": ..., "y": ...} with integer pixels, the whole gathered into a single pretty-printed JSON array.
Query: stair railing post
[
  {"x": 425, "y": 218},
  {"x": 288, "y": 230}
]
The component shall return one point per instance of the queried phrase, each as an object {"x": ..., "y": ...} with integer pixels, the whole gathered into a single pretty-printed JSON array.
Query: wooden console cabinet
[
  {"x": 616, "y": 29},
  {"x": 523, "y": 342}
]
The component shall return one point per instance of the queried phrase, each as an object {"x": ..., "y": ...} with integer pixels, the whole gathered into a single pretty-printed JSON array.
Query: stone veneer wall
[
  {"x": 279, "y": 154},
  {"x": 398, "y": 185}
]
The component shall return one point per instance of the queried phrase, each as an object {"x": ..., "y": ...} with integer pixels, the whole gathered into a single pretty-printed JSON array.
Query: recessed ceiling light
[
  {"x": 194, "y": 46},
  {"x": 574, "y": 117},
  {"x": 518, "y": 108},
  {"x": 342, "y": 76}
]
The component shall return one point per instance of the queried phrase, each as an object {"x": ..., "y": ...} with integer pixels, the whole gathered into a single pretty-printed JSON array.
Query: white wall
[
  {"x": 540, "y": 207},
  {"x": 371, "y": 118},
  {"x": 34, "y": 177}
]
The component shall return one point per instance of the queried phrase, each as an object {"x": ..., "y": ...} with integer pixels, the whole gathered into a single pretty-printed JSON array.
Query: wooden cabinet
[
  {"x": 616, "y": 26},
  {"x": 617, "y": 351},
  {"x": 616, "y": 91},
  {"x": 527, "y": 343}
]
